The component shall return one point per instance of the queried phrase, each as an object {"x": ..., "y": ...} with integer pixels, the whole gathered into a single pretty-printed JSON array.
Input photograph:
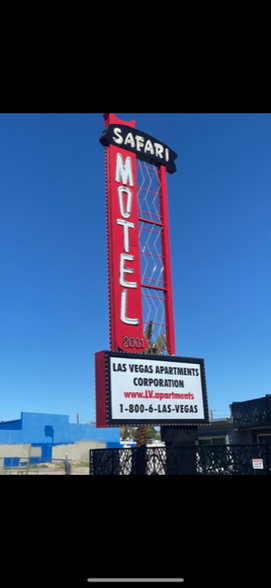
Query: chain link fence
[{"x": 38, "y": 466}]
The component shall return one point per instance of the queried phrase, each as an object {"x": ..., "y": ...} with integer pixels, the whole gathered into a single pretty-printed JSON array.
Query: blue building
[{"x": 54, "y": 435}]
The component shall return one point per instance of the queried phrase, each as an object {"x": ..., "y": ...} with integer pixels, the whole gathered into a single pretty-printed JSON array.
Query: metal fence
[
  {"x": 207, "y": 460},
  {"x": 34, "y": 466},
  {"x": 197, "y": 460}
]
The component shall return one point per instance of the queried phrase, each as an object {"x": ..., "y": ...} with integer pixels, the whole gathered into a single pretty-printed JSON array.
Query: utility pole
[{"x": 211, "y": 412}]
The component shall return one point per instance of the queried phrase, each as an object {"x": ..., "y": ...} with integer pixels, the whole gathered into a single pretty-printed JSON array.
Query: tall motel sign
[{"x": 140, "y": 380}]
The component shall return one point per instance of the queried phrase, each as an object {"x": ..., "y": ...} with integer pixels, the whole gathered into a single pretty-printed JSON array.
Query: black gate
[{"x": 197, "y": 460}]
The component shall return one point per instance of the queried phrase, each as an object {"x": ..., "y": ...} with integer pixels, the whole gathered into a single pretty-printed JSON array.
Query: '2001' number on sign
[{"x": 133, "y": 342}]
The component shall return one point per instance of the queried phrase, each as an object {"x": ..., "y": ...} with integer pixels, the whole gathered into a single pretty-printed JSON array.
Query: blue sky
[{"x": 54, "y": 295}]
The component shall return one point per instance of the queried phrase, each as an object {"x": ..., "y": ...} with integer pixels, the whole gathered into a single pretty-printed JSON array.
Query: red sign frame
[
  {"x": 125, "y": 301},
  {"x": 125, "y": 297}
]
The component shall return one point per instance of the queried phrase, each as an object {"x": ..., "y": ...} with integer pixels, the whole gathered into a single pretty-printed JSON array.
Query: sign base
[{"x": 179, "y": 436}]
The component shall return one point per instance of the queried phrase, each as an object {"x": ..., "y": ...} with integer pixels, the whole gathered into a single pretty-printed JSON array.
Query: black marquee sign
[{"x": 144, "y": 146}]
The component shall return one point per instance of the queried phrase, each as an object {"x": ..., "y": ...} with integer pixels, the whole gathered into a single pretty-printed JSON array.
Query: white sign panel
[
  {"x": 156, "y": 390},
  {"x": 257, "y": 464}
]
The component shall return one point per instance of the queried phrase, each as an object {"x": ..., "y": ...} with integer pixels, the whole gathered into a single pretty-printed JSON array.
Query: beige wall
[
  {"x": 78, "y": 451},
  {"x": 18, "y": 450}
]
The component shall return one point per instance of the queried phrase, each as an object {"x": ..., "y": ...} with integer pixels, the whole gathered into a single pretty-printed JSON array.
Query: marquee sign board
[{"x": 138, "y": 389}]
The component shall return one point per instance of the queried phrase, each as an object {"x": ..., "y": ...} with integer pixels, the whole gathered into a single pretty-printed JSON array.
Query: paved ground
[{"x": 76, "y": 471}]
